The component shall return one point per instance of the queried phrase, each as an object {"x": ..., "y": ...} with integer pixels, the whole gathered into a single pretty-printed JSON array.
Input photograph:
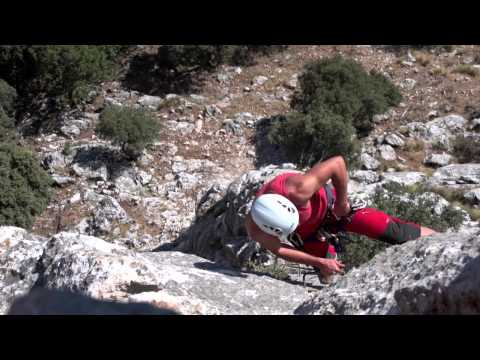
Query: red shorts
[{"x": 372, "y": 223}]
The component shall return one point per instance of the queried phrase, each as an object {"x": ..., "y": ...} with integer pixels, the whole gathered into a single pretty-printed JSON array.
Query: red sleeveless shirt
[{"x": 311, "y": 216}]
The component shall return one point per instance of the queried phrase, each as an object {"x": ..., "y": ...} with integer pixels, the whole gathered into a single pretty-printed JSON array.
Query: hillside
[{"x": 178, "y": 209}]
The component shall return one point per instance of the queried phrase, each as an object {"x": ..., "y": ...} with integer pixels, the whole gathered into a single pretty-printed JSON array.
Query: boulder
[
  {"x": 438, "y": 160},
  {"x": 150, "y": 101},
  {"x": 19, "y": 254},
  {"x": 387, "y": 152},
  {"x": 394, "y": 140},
  {"x": 62, "y": 181},
  {"x": 365, "y": 176},
  {"x": 435, "y": 275},
  {"x": 107, "y": 214},
  {"x": 456, "y": 174},
  {"x": 406, "y": 178},
  {"x": 179, "y": 282},
  {"x": 473, "y": 196},
  {"x": 93, "y": 170},
  {"x": 259, "y": 80},
  {"x": 369, "y": 162}
]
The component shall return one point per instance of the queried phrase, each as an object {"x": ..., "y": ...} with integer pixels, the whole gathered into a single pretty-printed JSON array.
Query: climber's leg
[{"x": 378, "y": 225}]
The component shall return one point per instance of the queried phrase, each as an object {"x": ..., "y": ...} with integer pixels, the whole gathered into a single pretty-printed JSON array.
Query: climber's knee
[{"x": 400, "y": 232}]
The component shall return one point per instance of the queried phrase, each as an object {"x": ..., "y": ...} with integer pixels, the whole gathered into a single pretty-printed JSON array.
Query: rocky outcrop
[
  {"x": 19, "y": 255},
  {"x": 41, "y": 301},
  {"x": 218, "y": 232},
  {"x": 91, "y": 267},
  {"x": 456, "y": 174},
  {"x": 434, "y": 275}
]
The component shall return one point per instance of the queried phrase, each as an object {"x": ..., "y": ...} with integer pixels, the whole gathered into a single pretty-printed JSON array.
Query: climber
[{"x": 291, "y": 213}]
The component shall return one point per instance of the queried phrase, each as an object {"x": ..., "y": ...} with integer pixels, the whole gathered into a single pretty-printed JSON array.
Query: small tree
[
  {"x": 131, "y": 129},
  {"x": 8, "y": 96},
  {"x": 315, "y": 136},
  {"x": 25, "y": 186},
  {"x": 345, "y": 88},
  {"x": 64, "y": 72},
  {"x": 208, "y": 57},
  {"x": 7, "y": 127}
]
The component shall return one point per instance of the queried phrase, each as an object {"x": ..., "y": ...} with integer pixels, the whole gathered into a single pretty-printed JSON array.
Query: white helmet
[{"x": 275, "y": 215}]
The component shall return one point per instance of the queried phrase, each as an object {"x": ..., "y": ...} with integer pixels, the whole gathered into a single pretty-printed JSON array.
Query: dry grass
[
  {"x": 414, "y": 146},
  {"x": 439, "y": 71},
  {"x": 466, "y": 70},
  {"x": 423, "y": 58}
]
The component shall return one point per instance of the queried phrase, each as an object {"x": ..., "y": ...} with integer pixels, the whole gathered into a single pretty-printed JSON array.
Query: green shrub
[
  {"x": 67, "y": 149},
  {"x": 309, "y": 138},
  {"x": 7, "y": 127},
  {"x": 208, "y": 57},
  {"x": 25, "y": 186},
  {"x": 65, "y": 72},
  {"x": 8, "y": 95},
  {"x": 132, "y": 129},
  {"x": 245, "y": 54},
  {"x": 275, "y": 270},
  {"x": 345, "y": 88},
  {"x": 407, "y": 203},
  {"x": 467, "y": 149},
  {"x": 359, "y": 250},
  {"x": 467, "y": 70}
]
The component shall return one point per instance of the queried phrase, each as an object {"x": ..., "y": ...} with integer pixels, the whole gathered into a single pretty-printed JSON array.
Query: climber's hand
[
  {"x": 331, "y": 267},
  {"x": 341, "y": 208}
]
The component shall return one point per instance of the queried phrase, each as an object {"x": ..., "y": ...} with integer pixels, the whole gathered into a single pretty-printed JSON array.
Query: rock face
[
  {"x": 404, "y": 177},
  {"x": 219, "y": 233},
  {"x": 473, "y": 196},
  {"x": 387, "y": 152},
  {"x": 174, "y": 281},
  {"x": 19, "y": 254},
  {"x": 435, "y": 275},
  {"x": 41, "y": 301},
  {"x": 440, "y": 130},
  {"x": 369, "y": 162},
  {"x": 438, "y": 159},
  {"x": 457, "y": 174}
]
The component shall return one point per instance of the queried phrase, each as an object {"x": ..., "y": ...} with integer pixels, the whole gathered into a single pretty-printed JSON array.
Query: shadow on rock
[
  {"x": 100, "y": 159},
  {"x": 147, "y": 76},
  {"x": 42, "y": 301},
  {"x": 267, "y": 153}
]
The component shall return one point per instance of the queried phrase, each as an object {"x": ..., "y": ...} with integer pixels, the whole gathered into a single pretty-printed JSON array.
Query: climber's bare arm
[
  {"x": 301, "y": 187},
  {"x": 281, "y": 250}
]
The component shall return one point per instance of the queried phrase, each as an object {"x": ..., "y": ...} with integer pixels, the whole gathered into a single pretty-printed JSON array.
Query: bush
[
  {"x": 208, "y": 57},
  {"x": 65, "y": 72},
  {"x": 309, "y": 138},
  {"x": 7, "y": 127},
  {"x": 8, "y": 96},
  {"x": 359, "y": 250},
  {"x": 467, "y": 149},
  {"x": 132, "y": 129},
  {"x": 467, "y": 70},
  {"x": 25, "y": 186},
  {"x": 245, "y": 54},
  {"x": 346, "y": 89},
  {"x": 407, "y": 203}
]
